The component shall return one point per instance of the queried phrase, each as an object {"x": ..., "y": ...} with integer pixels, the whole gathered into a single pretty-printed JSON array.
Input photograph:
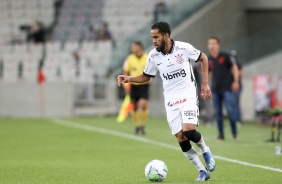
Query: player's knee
[
  {"x": 144, "y": 107},
  {"x": 134, "y": 106},
  {"x": 143, "y": 104},
  {"x": 180, "y": 137},
  {"x": 193, "y": 135}
]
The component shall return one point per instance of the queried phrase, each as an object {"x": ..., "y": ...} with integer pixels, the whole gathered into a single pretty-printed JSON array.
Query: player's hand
[
  {"x": 206, "y": 91},
  {"x": 235, "y": 86},
  {"x": 123, "y": 79}
]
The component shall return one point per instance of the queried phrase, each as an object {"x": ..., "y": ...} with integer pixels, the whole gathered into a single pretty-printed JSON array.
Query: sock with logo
[
  {"x": 193, "y": 157},
  {"x": 202, "y": 145}
]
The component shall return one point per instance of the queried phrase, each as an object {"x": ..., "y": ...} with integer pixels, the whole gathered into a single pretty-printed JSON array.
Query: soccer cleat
[
  {"x": 210, "y": 161},
  {"x": 137, "y": 129},
  {"x": 203, "y": 176},
  {"x": 143, "y": 130},
  {"x": 220, "y": 137}
]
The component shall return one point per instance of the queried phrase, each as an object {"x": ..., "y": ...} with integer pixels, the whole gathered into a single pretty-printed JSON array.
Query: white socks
[
  {"x": 194, "y": 159},
  {"x": 202, "y": 145}
]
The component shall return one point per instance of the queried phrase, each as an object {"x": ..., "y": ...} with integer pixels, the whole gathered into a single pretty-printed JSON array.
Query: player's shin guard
[
  {"x": 185, "y": 145},
  {"x": 193, "y": 135}
]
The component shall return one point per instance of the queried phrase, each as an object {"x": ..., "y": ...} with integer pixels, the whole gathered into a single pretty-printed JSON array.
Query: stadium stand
[
  {"x": 77, "y": 15},
  {"x": 71, "y": 35},
  {"x": 16, "y": 13},
  {"x": 122, "y": 17},
  {"x": 73, "y": 54}
]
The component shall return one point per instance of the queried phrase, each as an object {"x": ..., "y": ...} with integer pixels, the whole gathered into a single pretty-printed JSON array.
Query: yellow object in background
[{"x": 125, "y": 109}]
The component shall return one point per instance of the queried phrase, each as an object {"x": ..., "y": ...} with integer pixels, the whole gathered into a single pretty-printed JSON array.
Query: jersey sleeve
[
  {"x": 193, "y": 54},
  {"x": 126, "y": 65},
  {"x": 150, "y": 68}
]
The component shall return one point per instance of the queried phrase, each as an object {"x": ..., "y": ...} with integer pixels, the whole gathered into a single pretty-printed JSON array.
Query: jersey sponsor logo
[
  {"x": 153, "y": 55},
  {"x": 178, "y": 102},
  {"x": 179, "y": 58},
  {"x": 190, "y": 113},
  {"x": 175, "y": 74},
  {"x": 170, "y": 64},
  {"x": 158, "y": 64},
  {"x": 178, "y": 48}
]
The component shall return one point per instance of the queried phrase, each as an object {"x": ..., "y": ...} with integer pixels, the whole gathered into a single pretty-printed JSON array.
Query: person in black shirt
[{"x": 225, "y": 80}]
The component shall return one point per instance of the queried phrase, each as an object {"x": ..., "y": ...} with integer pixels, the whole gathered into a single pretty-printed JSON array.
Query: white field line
[{"x": 145, "y": 140}]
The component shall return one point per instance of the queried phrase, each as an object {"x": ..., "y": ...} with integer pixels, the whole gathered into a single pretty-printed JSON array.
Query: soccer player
[
  {"x": 139, "y": 92},
  {"x": 171, "y": 59}
]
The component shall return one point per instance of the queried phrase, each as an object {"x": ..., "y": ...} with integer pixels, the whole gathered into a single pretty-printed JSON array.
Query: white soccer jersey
[{"x": 176, "y": 72}]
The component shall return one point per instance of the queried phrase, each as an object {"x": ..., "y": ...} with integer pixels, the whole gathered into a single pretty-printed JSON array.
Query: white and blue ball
[{"x": 156, "y": 171}]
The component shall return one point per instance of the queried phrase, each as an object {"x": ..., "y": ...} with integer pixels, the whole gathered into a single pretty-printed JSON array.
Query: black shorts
[{"x": 139, "y": 91}]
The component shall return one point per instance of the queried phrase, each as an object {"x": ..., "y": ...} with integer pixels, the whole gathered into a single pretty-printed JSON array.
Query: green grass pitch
[{"x": 40, "y": 151}]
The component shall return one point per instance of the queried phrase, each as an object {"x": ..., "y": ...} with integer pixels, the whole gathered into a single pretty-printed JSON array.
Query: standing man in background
[
  {"x": 139, "y": 92},
  {"x": 225, "y": 81}
]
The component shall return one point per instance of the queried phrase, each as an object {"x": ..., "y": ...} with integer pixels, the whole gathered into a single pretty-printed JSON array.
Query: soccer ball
[{"x": 156, "y": 170}]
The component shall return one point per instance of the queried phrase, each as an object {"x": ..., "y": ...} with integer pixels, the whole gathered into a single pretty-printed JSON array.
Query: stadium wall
[
  {"x": 229, "y": 20},
  {"x": 263, "y": 4},
  {"x": 218, "y": 18},
  {"x": 27, "y": 99},
  {"x": 262, "y": 66}
]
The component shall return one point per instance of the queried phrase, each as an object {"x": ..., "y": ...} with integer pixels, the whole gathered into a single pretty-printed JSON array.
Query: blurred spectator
[
  {"x": 159, "y": 9},
  {"x": 36, "y": 33},
  {"x": 237, "y": 93},
  {"x": 103, "y": 32},
  {"x": 225, "y": 80}
]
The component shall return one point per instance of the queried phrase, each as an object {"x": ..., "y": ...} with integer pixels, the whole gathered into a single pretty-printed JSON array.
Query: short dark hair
[
  {"x": 215, "y": 38},
  {"x": 138, "y": 43},
  {"x": 163, "y": 27}
]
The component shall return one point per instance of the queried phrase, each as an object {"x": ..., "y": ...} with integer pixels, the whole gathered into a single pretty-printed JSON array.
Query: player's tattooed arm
[
  {"x": 205, "y": 89},
  {"x": 137, "y": 79}
]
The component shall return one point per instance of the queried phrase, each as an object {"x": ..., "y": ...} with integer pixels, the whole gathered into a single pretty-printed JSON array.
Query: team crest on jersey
[{"x": 179, "y": 58}]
